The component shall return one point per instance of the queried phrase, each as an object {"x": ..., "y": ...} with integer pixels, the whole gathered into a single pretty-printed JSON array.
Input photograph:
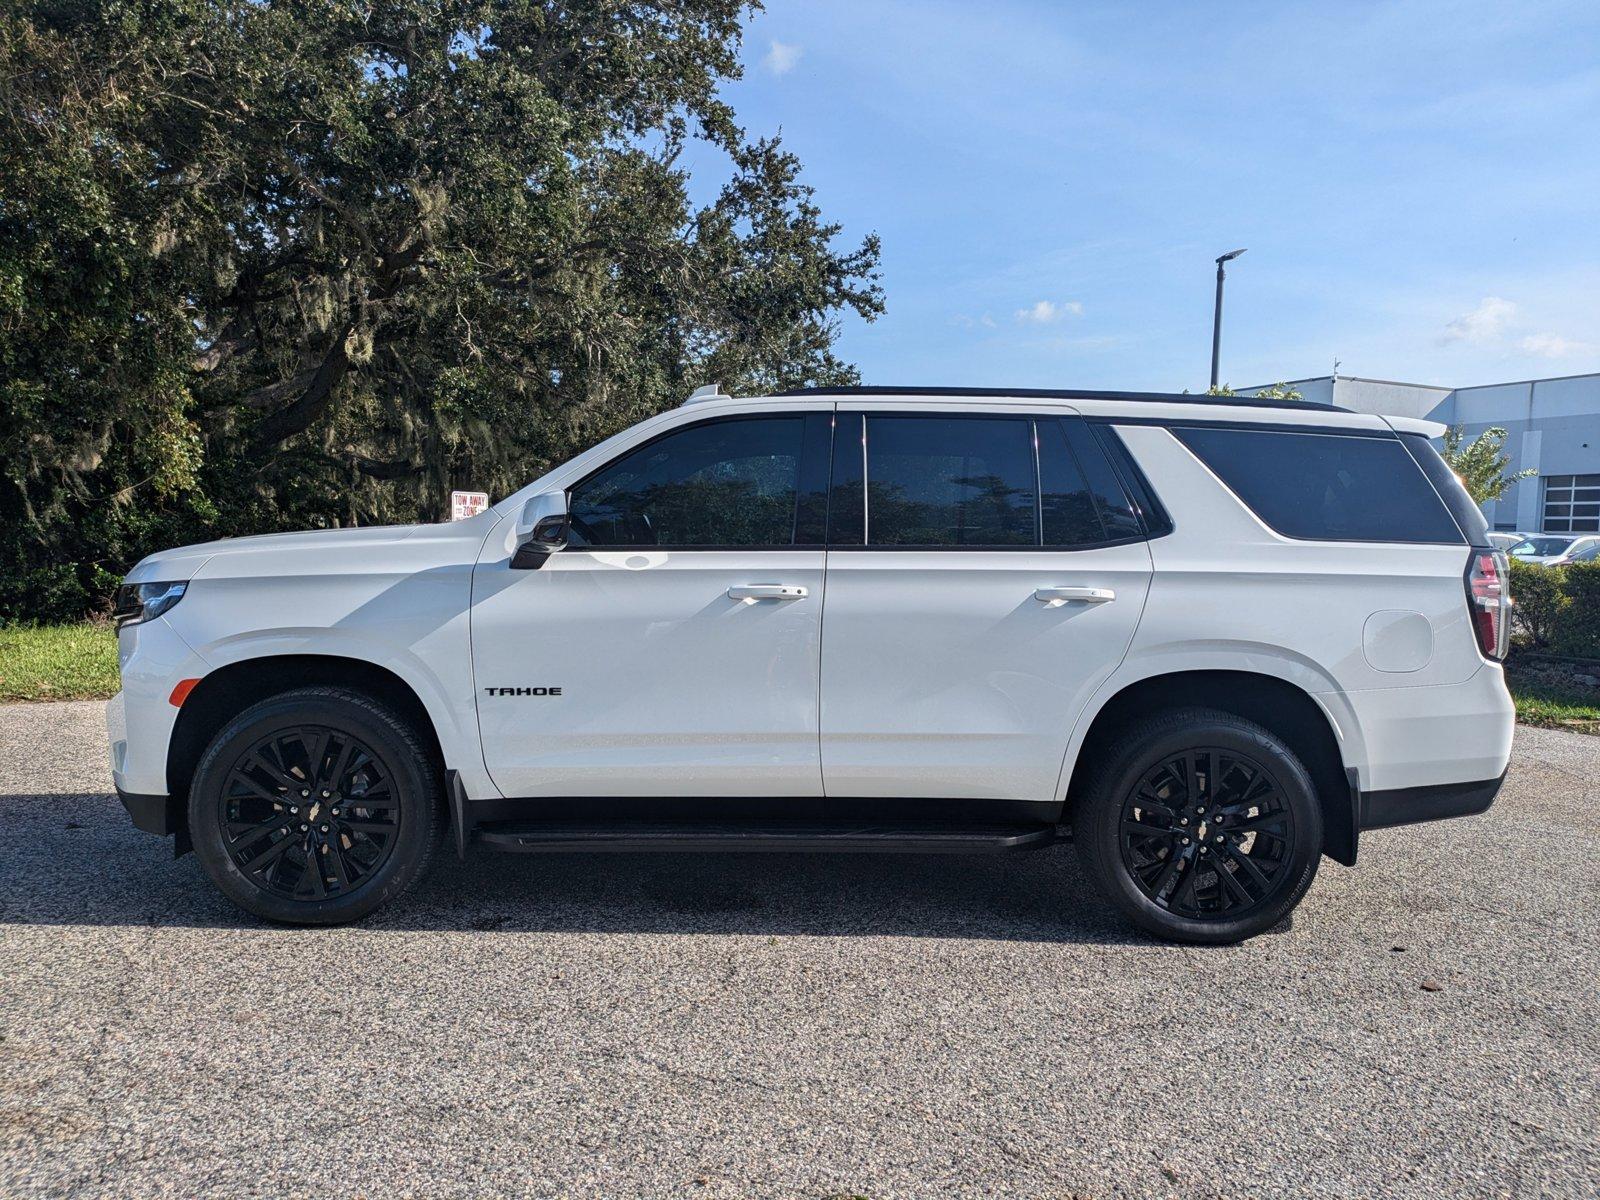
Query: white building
[{"x": 1553, "y": 427}]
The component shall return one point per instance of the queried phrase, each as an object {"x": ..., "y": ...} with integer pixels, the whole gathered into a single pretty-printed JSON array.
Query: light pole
[{"x": 1216, "y": 323}]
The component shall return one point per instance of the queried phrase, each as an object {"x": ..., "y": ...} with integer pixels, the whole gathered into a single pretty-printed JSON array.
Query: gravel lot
[{"x": 787, "y": 1026}]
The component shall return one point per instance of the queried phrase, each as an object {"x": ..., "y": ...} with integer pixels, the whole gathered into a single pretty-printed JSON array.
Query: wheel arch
[
  {"x": 1275, "y": 703},
  {"x": 227, "y": 691}
]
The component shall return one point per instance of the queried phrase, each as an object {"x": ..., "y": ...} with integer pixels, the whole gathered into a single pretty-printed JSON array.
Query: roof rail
[{"x": 1064, "y": 394}]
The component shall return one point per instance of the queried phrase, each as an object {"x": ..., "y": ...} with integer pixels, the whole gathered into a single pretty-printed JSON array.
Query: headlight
[{"x": 145, "y": 601}]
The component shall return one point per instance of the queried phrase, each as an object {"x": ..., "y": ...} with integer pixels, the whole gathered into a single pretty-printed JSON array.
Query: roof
[{"x": 1059, "y": 394}]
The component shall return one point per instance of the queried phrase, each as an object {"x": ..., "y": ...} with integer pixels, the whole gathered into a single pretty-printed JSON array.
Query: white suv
[{"x": 1210, "y": 641}]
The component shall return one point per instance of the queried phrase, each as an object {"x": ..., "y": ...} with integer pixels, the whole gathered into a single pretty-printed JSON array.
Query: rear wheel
[
  {"x": 316, "y": 806},
  {"x": 1200, "y": 826}
]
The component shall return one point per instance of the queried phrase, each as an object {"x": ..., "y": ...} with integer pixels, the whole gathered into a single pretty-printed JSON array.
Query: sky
[{"x": 1417, "y": 184}]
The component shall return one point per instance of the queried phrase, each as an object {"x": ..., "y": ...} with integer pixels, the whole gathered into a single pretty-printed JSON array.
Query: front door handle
[
  {"x": 766, "y": 591},
  {"x": 1086, "y": 595}
]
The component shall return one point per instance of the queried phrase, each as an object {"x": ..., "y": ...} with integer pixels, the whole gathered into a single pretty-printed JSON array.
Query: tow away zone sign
[{"x": 467, "y": 504}]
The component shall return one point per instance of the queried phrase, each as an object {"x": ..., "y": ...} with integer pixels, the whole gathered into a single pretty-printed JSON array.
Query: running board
[{"x": 562, "y": 837}]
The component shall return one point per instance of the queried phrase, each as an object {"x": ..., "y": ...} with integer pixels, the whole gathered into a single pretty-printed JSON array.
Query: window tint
[
  {"x": 811, "y": 509},
  {"x": 1326, "y": 486},
  {"x": 1143, "y": 508},
  {"x": 951, "y": 481},
  {"x": 1469, "y": 517},
  {"x": 1068, "y": 509},
  {"x": 847, "y": 516},
  {"x": 1116, "y": 510},
  {"x": 722, "y": 483}
]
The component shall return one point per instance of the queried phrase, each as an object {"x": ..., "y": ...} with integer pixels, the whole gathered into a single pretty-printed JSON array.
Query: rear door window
[
  {"x": 1117, "y": 511},
  {"x": 970, "y": 481},
  {"x": 1069, "y": 509},
  {"x": 951, "y": 481},
  {"x": 1326, "y": 486}
]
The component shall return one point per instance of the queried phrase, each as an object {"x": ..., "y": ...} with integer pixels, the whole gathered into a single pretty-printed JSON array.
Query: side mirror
[{"x": 541, "y": 531}]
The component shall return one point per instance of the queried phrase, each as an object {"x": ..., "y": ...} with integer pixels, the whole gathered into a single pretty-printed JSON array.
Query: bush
[
  {"x": 1539, "y": 599},
  {"x": 1577, "y": 628}
]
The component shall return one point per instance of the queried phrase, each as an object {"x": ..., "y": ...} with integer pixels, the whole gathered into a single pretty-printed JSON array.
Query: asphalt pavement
[{"x": 724, "y": 1026}]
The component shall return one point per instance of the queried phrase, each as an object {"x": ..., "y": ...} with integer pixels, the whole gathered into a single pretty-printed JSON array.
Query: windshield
[{"x": 1540, "y": 547}]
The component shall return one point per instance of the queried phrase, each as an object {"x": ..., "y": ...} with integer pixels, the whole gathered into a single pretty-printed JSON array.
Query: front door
[
  {"x": 985, "y": 575},
  {"x": 672, "y": 648}
]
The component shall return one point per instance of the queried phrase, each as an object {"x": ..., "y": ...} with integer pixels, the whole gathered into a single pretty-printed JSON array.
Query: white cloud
[
  {"x": 1497, "y": 325},
  {"x": 1552, "y": 345},
  {"x": 1044, "y": 312},
  {"x": 782, "y": 57},
  {"x": 966, "y": 322},
  {"x": 1486, "y": 323}
]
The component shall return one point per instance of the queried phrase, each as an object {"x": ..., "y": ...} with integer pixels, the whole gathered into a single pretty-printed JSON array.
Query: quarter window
[
  {"x": 1572, "y": 503},
  {"x": 1326, "y": 486},
  {"x": 729, "y": 483}
]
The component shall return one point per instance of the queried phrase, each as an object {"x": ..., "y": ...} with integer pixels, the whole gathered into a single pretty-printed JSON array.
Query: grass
[
  {"x": 1552, "y": 704},
  {"x": 58, "y": 662},
  {"x": 79, "y": 662}
]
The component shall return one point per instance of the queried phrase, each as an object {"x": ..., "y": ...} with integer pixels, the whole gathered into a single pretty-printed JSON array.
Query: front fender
[
  {"x": 411, "y": 618},
  {"x": 447, "y": 699}
]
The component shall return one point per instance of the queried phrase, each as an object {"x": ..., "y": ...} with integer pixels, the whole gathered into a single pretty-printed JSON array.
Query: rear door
[{"x": 986, "y": 572}]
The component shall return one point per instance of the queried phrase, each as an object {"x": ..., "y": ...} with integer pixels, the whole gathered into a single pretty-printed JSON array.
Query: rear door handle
[
  {"x": 1086, "y": 595},
  {"x": 766, "y": 591}
]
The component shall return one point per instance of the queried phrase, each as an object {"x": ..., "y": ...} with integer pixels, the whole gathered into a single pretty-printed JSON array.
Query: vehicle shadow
[{"x": 75, "y": 860}]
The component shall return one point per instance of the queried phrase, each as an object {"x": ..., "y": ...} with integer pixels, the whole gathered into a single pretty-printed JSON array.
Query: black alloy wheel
[
  {"x": 1199, "y": 826},
  {"x": 316, "y": 806},
  {"x": 1206, "y": 834},
  {"x": 309, "y": 812}
]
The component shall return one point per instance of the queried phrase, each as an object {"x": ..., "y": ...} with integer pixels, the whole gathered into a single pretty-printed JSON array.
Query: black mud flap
[
  {"x": 161, "y": 815},
  {"x": 458, "y": 810},
  {"x": 1341, "y": 823}
]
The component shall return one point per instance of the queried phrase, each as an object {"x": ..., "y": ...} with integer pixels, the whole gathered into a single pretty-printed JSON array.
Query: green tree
[
  {"x": 1481, "y": 464},
  {"x": 276, "y": 263},
  {"x": 1278, "y": 391}
]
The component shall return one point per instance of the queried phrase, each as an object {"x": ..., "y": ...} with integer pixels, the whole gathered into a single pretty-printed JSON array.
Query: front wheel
[
  {"x": 1200, "y": 826},
  {"x": 316, "y": 806}
]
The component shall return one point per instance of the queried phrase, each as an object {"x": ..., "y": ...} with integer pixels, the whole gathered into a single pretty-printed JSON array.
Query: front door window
[{"x": 733, "y": 483}]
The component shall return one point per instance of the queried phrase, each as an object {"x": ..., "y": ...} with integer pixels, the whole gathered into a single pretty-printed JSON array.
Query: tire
[
  {"x": 259, "y": 819},
  {"x": 1159, "y": 861}
]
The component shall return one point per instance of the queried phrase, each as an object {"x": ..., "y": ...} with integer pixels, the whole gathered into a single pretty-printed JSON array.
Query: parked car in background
[
  {"x": 1504, "y": 541},
  {"x": 1547, "y": 549},
  {"x": 1589, "y": 553},
  {"x": 1209, "y": 641},
  {"x": 1581, "y": 545}
]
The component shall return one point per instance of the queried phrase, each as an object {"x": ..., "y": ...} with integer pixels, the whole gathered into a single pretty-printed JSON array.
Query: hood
[{"x": 274, "y": 549}]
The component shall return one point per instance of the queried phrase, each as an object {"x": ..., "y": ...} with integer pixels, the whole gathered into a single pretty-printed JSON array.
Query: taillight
[{"x": 1489, "y": 601}]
